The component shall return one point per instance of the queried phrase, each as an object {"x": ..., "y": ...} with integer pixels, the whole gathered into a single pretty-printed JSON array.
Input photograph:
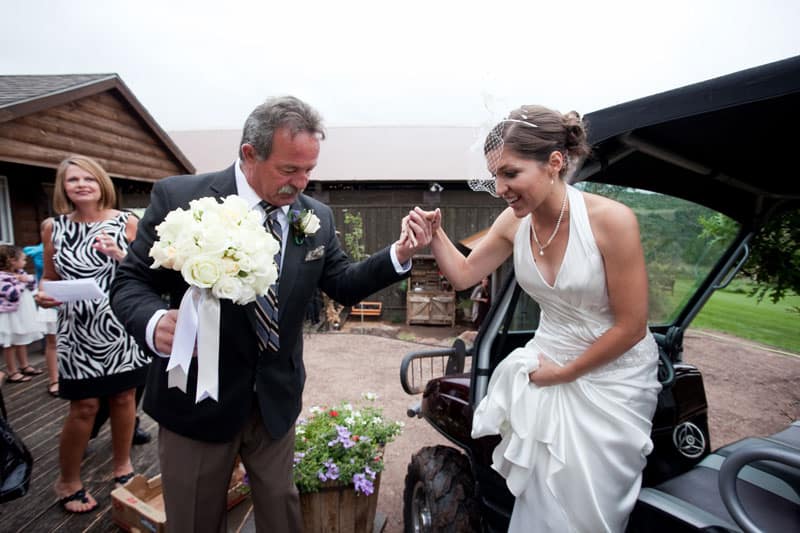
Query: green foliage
[
  {"x": 342, "y": 445},
  {"x": 354, "y": 235},
  {"x": 775, "y": 258},
  {"x": 774, "y": 263}
]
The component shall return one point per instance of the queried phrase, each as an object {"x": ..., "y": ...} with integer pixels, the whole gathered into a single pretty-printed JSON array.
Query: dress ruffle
[{"x": 595, "y": 429}]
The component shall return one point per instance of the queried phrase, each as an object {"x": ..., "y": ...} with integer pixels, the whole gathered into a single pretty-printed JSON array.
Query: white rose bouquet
[
  {"x": 223, "y": 252},
  {"x": 218, "y": 246}
]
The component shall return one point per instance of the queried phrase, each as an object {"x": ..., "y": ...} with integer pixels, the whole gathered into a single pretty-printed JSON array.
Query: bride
[{"x": 573, "y": 406}]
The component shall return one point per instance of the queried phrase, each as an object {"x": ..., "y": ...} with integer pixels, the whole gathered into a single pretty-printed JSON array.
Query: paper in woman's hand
[{"x": 72, "y": 290}]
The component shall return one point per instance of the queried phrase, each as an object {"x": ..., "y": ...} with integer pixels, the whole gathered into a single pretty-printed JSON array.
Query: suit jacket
[{"x": 138, "y": 291}]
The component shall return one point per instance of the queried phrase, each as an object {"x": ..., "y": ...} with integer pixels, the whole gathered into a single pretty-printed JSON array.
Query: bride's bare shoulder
[{"x": 506, "y": 224}]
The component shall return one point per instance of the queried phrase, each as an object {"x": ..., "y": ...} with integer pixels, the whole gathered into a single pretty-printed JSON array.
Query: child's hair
[{"x": 8, "y": 253}]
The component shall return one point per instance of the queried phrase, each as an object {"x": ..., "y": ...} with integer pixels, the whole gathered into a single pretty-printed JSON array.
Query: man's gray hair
[{"x": 279, "y": 112}]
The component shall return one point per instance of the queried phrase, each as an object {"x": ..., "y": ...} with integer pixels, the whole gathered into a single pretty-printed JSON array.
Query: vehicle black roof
[{"x": 726, "y": 143}]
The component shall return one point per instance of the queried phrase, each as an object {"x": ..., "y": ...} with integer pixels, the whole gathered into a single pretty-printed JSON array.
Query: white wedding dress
[{"x": 572, "y": 454}]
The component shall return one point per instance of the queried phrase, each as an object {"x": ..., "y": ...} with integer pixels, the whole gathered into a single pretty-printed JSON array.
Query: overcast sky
[{"x": 205, "y": 64}]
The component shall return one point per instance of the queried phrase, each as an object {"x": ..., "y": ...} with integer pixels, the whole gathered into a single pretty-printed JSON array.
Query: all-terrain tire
[{"x": 439, "y": 493}]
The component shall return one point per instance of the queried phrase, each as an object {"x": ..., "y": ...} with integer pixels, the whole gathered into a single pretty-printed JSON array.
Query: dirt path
[{"x": 751, "y": 390}]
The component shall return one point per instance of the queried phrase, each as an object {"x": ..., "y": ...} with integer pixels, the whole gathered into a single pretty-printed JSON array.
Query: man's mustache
[{"x": 288, "y": 189}]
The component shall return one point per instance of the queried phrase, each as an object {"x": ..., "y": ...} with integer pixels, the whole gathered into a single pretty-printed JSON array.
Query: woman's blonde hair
[{"x": 108, "y": 196}]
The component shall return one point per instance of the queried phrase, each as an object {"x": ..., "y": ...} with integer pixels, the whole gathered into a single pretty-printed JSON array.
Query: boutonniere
[{"x": 304, "y": 223}]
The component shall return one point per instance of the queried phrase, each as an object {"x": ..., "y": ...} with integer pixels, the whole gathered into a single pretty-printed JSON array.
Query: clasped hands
[{"x": 416, "y": 232}]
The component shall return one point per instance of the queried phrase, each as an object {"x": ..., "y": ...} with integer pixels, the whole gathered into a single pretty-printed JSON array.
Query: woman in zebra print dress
[{"x": 96, "y": 357}]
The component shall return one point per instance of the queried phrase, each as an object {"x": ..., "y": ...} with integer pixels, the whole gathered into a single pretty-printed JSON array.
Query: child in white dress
[{"x": 19, "y": 325}]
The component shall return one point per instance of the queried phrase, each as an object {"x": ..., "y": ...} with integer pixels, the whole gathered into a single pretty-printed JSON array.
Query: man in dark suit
[{"x": 259, "y": 389}]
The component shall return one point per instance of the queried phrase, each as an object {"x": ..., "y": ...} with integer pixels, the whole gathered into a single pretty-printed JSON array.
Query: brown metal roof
[{"x": 22, "y": 95}]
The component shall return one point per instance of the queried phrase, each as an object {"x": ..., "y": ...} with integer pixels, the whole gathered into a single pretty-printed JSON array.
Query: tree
[
  {"x": 774, "y": 263},
  {"x": 354, "y": 235}
]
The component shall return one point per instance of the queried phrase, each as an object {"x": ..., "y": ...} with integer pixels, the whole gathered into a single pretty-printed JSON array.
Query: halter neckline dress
[{"x": 572, "y": 454}]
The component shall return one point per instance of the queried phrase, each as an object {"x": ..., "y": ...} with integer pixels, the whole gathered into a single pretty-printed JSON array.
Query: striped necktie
[{"x": 267, "y": 306}]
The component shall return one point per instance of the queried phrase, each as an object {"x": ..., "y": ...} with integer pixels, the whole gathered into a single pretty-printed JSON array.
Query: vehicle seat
[{"x": 769, "y": 491}]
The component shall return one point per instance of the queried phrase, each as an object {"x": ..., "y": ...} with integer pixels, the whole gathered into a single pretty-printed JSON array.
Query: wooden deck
[{"x": 37, "y": 418}]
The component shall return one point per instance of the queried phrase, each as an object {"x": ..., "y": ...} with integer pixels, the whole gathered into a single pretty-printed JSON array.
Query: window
[{"x": 6, "y": 226}]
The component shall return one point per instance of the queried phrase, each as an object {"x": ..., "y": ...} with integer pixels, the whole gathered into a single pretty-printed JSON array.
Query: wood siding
[
  {"x": 382, "y": 208},
  {"x": 102, "y": 126}
]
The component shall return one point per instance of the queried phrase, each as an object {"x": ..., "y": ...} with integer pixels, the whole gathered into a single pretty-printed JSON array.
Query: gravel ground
[{"x": 751, "y": 389}]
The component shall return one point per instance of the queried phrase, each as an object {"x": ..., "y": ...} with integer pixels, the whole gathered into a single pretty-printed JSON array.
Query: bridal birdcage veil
[{"x": 486, "y": 151}]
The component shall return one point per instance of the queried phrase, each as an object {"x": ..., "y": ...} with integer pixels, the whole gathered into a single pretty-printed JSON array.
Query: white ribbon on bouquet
[{"x": 197, "y": 325}]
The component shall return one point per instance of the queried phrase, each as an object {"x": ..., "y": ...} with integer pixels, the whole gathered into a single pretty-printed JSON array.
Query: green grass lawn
[{"x": 734, "y": 312}]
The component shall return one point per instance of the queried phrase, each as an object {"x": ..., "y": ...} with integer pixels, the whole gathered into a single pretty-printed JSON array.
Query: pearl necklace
[{"x": 555, "y": 230}]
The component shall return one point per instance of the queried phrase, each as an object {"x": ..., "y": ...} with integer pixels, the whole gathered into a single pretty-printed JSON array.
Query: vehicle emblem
[{"x": 689, "y": 440}]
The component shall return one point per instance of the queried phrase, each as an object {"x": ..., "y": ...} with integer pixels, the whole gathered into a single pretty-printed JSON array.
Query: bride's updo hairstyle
[{"x": 534, "y": 132}]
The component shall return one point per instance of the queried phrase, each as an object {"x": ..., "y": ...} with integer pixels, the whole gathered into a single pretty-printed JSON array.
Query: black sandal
[
  {"x": 18, "y": 377},
  {"x": 31, "y": 371},
  {"x": 121, "y": 480},
  {"x": 78, "y": 496},
  {"x": 51, "y": 390}
]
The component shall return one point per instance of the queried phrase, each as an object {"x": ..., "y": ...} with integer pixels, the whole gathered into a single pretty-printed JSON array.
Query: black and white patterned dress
[{"x": 96, "y": 356}]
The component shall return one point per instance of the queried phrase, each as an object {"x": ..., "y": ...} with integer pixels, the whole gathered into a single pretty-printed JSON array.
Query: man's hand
[
  {"x": 415, "y": 233},
  {"x": 165, "y": 331}
]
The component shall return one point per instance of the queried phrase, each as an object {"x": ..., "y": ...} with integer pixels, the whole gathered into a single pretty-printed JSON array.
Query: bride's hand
[
  {"x": 548, "y": 373},
  {"x": 434, "y": 218}
]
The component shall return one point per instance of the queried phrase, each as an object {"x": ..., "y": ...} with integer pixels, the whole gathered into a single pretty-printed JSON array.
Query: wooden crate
[{"x": 430, "y": 298}]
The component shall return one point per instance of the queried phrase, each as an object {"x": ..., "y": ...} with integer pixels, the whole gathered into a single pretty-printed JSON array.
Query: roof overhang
[{"x": 109, "y": 82}]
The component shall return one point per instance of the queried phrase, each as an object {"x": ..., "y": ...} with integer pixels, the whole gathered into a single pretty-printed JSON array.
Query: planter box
[
  {"x": 339, "y": 509},
  {"x": 139, "y": 505}
]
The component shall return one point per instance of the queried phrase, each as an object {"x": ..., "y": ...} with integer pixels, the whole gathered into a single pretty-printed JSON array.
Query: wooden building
[{"x": 45, "y": 118}]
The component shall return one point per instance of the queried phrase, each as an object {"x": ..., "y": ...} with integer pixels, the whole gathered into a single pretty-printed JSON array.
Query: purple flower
[
  {"x": 363, "y": 485},
  {"x": 331, "y": 473},
  {"x": 370, "y": 472},
  {"x": 343, "y": 437},
  {"x": 298, "y": 456}
]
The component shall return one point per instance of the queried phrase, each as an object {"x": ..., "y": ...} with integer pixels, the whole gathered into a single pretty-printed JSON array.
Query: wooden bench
[{"x": 367, "y": 309}]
